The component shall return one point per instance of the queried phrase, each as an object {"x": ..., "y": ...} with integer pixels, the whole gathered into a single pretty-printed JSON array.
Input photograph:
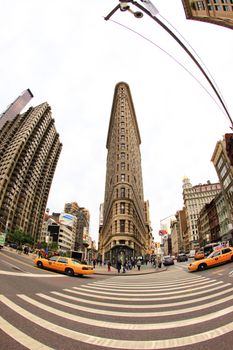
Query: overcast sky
[{"x": 69, "y": 56}]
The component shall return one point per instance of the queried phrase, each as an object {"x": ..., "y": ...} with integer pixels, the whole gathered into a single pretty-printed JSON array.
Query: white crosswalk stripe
[{"x": 134, "y": 307}]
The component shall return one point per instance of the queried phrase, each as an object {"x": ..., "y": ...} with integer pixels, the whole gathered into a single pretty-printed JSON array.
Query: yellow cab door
[
  {"x": 226, "y": 254},
  {"x": 51, "y": 263},
  {"x": 61, "y": 264},
  {"x": 216, "y": 258}
]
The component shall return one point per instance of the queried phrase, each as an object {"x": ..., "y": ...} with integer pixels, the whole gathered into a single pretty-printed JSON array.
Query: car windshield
[
  {"x": 53, "y": 258},
  {"x": 74, "y": 261}
]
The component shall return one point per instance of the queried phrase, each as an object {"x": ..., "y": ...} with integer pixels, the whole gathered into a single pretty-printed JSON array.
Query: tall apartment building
[
  {"x": 124, "y": 231},
  {"x": 218, "y": 12},
  {"x": 29, "y": 152},
  {"x": 15, "y": 107},
  {"x": 222, "y": 159},
  {"x": 195, "y": 197}
]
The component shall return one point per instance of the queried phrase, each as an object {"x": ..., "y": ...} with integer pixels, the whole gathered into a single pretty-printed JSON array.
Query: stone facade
[
  {"x": 223, "y": 162},
  {"x": 124, "y": 232},
  {"x": 195, "y": 197}
]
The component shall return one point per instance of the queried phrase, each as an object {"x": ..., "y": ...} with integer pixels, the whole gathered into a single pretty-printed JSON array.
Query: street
[{"x": 173, "y": 309}]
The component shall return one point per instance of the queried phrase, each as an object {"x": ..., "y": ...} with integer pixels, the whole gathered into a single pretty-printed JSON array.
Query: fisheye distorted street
[{"x": 116, "y": 175}]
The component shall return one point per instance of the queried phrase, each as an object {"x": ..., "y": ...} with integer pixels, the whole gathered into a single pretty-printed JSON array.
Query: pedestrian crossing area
[{"x": 141, "y": 312}]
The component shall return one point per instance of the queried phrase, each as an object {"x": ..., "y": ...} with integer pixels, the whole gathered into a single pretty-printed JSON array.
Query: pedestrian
[
  {"x": 139, "y": 263},
  {"x": 133, "y": 263},
  {"x": 119, "y": 266},
  {"x": 94, "y": 263},
  {"x": 109, "y": 266},
  {"x": 159, "y": 262}
]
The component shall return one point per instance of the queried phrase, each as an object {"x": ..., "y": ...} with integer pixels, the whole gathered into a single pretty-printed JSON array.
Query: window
[
  {"x": 122, "y": 192},
  {"x": 225, "y": 251},
  {"x": 53, "y": 258},
  {"x": 122, "y": 166},
  {"x": 63, "y": 260},
  {"x": 122, "y": 208},
  {"x": 122, "y": 225},
  {"x": 122, "y": 177}
]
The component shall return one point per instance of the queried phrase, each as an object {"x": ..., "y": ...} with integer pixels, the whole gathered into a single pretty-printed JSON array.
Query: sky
[{"x": 68, "y": 55}]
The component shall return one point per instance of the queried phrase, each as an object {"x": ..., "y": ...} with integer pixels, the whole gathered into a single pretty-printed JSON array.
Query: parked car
[
  {"x": 66, "y": 265},
  {"x": 182, "y": 257},
  {"x": 168, "y": 260},
  {"x": 217, "y": 257}
]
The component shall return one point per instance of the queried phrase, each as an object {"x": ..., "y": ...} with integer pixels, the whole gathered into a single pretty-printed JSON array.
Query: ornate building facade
[
  {"x": 195, "y": 197},
  {"x": 218, "y": 12},
  {"x": 29, "y": 152},
  {"x": 125, "y": 231},
  {"x": 222, "y": 159}
]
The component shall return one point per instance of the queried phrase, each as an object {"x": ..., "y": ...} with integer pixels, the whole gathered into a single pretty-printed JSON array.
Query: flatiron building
[
  {"x": 29, "y": 151},
  {"x": 124, "y": 233}
]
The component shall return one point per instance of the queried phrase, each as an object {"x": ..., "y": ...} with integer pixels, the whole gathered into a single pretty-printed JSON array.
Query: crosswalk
[{"x": 139, "y": 313}]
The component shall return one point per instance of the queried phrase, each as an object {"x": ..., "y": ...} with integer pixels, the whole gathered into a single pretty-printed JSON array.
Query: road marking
[
  {"x": 128, "y": 326},
  {"x": 118, "y": 343},
  {"x": 120, "y": 305},
  {"x": 147, "y": 288},
  {"x": 154, "y": 283},
  {"x": 22, "y": 274},
  {"x": 136, "y": 314},
  {"x": 102, "y": 290},
  {"x": 21, "y": 337},
  {"x": 93, "y": 293}
]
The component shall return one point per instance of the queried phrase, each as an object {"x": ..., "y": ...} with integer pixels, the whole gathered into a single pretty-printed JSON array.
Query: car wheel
[
  {"x": 202, "y": 267},
  {"x": 69, "y": 272},
  {"x": 232, "y": 258},
  {"x": 40, "y": 264}
]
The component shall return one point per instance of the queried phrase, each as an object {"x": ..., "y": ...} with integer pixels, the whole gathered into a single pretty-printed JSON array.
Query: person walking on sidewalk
[
  {"x": 139, "y": 263},
  {"x": 109, "y": 266},
  {"x": 119, "y": 266}
]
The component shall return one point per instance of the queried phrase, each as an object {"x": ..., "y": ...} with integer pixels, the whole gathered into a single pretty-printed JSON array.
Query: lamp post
[{"x": 150, "y": 10}]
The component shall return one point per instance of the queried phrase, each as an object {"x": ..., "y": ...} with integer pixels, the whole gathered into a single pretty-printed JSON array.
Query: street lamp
[{"x": 152, "y": 12}]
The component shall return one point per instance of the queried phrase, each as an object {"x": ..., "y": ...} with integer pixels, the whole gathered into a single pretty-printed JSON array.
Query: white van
[{"x": 192, "y": 253}]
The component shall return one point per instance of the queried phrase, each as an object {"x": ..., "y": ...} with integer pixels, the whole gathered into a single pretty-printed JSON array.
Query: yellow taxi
[
  {"x": 69, "y": 266},
  {"x": 199, "y": 255},
  {"x": 217, "y": 257}
]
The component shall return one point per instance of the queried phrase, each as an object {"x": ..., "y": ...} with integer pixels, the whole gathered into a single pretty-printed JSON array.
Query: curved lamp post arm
[{"x": 179, "y": 42}]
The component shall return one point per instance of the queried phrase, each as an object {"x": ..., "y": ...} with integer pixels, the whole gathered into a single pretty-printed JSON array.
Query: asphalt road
[{"x": 174, "y": 309}]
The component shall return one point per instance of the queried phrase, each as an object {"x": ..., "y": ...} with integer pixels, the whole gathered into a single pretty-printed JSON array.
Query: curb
[{"x": 129, "y": 274}]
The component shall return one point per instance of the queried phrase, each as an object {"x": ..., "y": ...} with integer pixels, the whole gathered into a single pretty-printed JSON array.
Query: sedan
[
  {"x": 68, "y": 266},
  {"x": 182, "y": 257},
  {"x": 168, "y": 260},
  {"x": 217, "y": 257}
]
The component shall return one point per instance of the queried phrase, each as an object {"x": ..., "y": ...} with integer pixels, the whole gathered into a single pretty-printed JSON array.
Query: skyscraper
[
  {"x": 125, "y": 229},
  {"x": 29, "y": 151},
  {"x": 15, "y": 107},
  {"x": 218, "y": 12}
]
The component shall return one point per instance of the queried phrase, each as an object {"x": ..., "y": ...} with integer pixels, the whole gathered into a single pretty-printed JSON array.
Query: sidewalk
[
  {"x": 103, "y": 270},
  {"x": 145, "y": 269}
]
